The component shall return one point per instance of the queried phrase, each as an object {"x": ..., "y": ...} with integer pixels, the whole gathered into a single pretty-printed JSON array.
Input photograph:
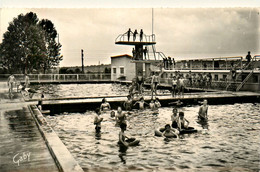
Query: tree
[
  {"x": 53, "y": 48},
  {"x": 28, "y": 45}
]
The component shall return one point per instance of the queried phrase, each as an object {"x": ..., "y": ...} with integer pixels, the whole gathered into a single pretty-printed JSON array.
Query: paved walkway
[{"x": 22, "y": 147}]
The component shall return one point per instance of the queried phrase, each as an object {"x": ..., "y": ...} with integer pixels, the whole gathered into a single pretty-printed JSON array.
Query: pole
[
  {"x": 82, "y": 60},
  {"x": 152, "y": 22}
]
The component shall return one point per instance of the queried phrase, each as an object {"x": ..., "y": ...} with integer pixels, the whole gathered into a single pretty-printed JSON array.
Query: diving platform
[{"x": 134, "y": 43}]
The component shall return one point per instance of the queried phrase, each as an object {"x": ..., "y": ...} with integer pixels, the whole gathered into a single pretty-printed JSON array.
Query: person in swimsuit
[
  {"x": 174, "y": 86},
  {"x": 183, "y": 122},
  {"x": 98, "y": 120},
  {"x": 152, "y": 105},
  {"x": 140, "y": 81},
  {"x": 141, "y": 103},
  {"x": 120, "y": 117},
  {"x": 26, "y": 81},
  {"x": 175, "y": 118},
  {"x": 157, "y": 103},
  {"x": 170, "y": 132},
  {"x": 203, "y": 111},
  {"x": 181, "y": 86},
  {"x": 141, "y": 35},
  {"x": 11, "y": 82},
  {"x": 128, "y": 103},
  {"x": 105, "y": 106},
  {"x": 124, "y": 140},
  {"x": 134, "y": 35},
  {"x": 129, "y": 34},
  {"x": 154, "y": 83}
]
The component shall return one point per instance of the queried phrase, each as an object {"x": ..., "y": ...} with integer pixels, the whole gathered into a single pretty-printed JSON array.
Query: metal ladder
[{"x": 244, "y": 81}]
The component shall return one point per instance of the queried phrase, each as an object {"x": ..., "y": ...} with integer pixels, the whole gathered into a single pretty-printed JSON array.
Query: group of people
[
  {"x": 12, "y": 83},
  {"x": 169, "y": 63},
  {"x": 120, "y": 117},
  {"x": 135, "y": 33},
  {"x": 138, "y": 53},
  {"x": 178, "y": 120}
]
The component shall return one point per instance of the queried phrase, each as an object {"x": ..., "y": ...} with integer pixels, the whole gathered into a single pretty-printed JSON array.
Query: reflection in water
[
  {"x": 204, "y": 124},
  {"x": 122, "y": 153},
  {"x": 229, "y": 140}
]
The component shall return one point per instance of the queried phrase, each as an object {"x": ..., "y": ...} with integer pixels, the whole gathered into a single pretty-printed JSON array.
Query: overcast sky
[{"x": 180, "y": 32}]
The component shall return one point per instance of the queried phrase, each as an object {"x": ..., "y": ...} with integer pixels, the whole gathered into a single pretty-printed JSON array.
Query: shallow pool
[
  {"x": 87, "y": 90},
  {"x": 231, "y": 142}
]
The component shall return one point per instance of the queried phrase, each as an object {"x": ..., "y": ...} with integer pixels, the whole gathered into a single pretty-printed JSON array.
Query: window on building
[
  {"x": 114, "y": 70},
  {"x": 122, "y": 70}
]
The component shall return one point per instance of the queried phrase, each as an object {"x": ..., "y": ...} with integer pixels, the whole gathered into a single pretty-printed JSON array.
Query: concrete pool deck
[
  {"x": 27, "y": 143},
  {"x": 81, "y": 104}
]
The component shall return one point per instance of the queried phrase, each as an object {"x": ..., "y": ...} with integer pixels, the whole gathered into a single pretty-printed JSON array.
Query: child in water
[
  {"x": 141, "y": 103},
  {"x": 120, "y": 117},
  {"x": 184, "y": 123},
  {"x": 98, "y": 120},
  {"x": 157, "y": 103},
  {"x": 169, "y": 132},
  {"x": 105, "y": 106},
  {"x": 128, "y": 103},
  {"x": 122, "y": 137},
  {"x": 152, "y": 105},
  {"x": 175, "y": 118},
  {"x": 203, "y": 111}
]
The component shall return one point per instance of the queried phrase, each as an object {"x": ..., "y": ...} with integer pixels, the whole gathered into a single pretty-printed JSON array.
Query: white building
[{"x": 122, "y": 68}]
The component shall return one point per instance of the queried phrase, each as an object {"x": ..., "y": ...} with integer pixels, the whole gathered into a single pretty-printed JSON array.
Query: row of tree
[{"x": 29, "y": 44}]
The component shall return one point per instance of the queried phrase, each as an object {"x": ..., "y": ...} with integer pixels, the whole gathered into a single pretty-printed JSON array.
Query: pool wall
[
  {"x": 83, "y": 105},
  {"x": 62, "y": 157}
]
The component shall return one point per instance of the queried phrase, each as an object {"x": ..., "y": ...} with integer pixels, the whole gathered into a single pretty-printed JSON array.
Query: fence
[
  {"x": 60, "y": 77},
  {"x": 216, "y": 85},
  {"x": 146, "y": 38}
]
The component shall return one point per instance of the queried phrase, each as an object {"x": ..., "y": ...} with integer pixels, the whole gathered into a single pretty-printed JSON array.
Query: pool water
[
  {"x": 86, "y": 90},
  {"x": 229, "y": 142}
]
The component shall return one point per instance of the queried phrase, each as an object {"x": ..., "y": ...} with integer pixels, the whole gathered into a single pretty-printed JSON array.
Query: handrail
[
  {"x": 146, "y": 38},
  {"x": 244, "y": 81}
]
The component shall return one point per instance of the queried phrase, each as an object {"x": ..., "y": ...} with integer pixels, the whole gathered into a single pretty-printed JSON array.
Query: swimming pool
[
  {"x": 86, "y": 90},
  {"x": 229, "y": 144}
]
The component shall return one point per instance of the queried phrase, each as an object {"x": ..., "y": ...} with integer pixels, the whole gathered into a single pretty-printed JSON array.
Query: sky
[{"x": 181, "y": 33}]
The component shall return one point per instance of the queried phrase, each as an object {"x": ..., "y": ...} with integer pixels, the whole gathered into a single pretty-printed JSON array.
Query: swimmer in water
[
  {"x": 128, "y": 103},
  {"x": 157, "y": 103},
  {"x": 120, "y": 117},
  {"x": 98, "y": 120},
  {"x": 105, "y": 106},
  {"x": 175, "y": 118},
  {"x": 141, "y": 103},
  {"x": 169, "y": 132},
  {"x": 203, "y": 111},
  {"x": 152, "y": 105},
  {"x": 184, "y": 123},
  {"x": 122, "y": 135},
  {"x": 124, "y": 140}
]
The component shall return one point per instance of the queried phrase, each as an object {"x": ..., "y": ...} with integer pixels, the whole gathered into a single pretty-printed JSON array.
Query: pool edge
[{"x": 59, "y": 152}]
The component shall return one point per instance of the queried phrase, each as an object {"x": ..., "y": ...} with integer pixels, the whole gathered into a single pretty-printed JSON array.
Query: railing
[
  {"x": 216, "y": 85},
  {"x": 224, "y": 63},
  {"x": 146, "y": 38},
  {"x": 244, "y": 81},
  {"x": 60, "y": 77}
]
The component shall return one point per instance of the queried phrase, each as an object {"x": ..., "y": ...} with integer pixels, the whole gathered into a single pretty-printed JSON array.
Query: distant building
[{"x": 122, "y": 68}]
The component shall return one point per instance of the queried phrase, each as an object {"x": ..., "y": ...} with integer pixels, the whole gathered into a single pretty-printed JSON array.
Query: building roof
[{"x": 123, "y": 55}]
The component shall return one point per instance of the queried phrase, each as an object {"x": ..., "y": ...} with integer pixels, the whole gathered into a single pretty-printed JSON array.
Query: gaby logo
[{"x": 21, "y": 157}]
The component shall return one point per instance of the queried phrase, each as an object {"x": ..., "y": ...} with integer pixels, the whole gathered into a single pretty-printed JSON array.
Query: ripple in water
[{"x": 230, "y": 143}]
